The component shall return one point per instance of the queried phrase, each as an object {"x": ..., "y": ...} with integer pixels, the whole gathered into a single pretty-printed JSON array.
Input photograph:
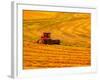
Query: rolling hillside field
[{"x": 72, "y": 29}]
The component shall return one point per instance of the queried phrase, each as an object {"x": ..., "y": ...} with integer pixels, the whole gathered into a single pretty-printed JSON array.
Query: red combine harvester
[{"x": 46, "y": 39}]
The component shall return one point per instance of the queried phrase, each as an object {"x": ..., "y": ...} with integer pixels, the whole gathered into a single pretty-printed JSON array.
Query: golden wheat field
[{"x": 72, "y": 29}]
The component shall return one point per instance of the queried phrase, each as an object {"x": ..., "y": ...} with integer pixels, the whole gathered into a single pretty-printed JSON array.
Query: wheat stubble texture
[{"x": 72, "y": 29}]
